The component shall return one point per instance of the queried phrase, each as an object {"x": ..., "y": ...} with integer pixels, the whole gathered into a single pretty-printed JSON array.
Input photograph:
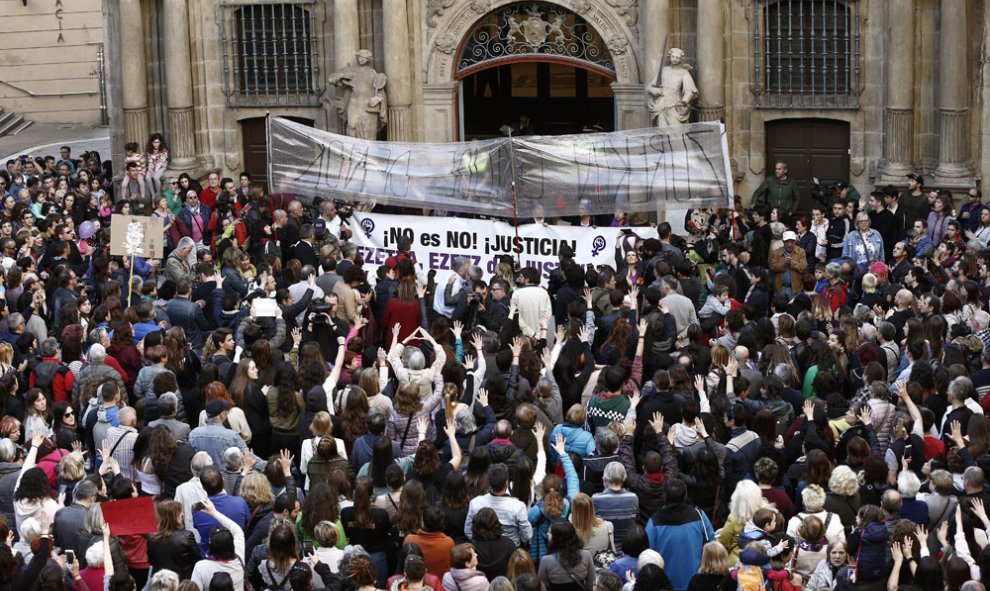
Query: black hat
[
  {"x": 215, "y": 407},
  {"x": 917, "y": 177},
  {"x": 841, "y": 185}
]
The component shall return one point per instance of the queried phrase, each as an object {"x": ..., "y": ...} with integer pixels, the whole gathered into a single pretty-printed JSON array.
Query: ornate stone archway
[{"x": 450, "y": 22}]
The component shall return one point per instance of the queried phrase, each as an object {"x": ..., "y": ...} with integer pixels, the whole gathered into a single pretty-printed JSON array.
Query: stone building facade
[
  {"x": 51, "y": 60},
  {"x": 856, "y": 90}
]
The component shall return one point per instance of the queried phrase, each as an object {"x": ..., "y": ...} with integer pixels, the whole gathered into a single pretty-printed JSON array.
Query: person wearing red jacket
[{"x": 51, "y": 375}]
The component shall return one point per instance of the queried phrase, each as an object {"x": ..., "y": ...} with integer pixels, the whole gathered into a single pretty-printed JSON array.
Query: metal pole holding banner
[
  {"x": 268, "y": 151},
  {"x": 130, "y": 282},
  {"x": 515, "y": 205}
]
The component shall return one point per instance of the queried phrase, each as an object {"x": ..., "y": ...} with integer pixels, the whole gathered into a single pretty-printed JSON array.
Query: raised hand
[
  {"x": 699, "y": 384},
  {"x": 809, "y": 409},
  {"x": 732, "y": 368},
  {"x": 559, "y": 445},
  {"x": 897, "y": 552},
  {"x": 547, "y": 358},
  {"x": 560, "y": 334},
  {"x": 516, "y": 347},
  {"x": 642, "y": 327},
  {"x": 587, "y": 297},
  {"x": 866, "y": 415},
  {"x": 482, "y": 397},
  {"x": 458, "y": 329},
  {"x": 583, "y": 334},
  {"x": 478, "y": 343},
  {"x": 636, "y": 397},
  {"x": 957, "y": 435},
  {"x": 540, "y": 431},
  {"x": 395, "y": 331},
  {"x": 37, "y": 438},
  {"x": 657, "y": 423},
  {"x": 285, "y": 459},
  {"x": 469, "y": 362},
  {"x": 450, "y": 428},
  {"x": 943, "y": 532},
  {"x": 422, "y": 425},
  {"x": 420, "y": 290},
  {"x": 699, "y": 426}
]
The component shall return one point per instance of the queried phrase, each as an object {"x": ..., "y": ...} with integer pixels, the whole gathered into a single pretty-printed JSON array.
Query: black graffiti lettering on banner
[
  {"x": 526, "y": 245},
  {"x": 394, "y": 233},
  {"x": 460, "y": 239}
]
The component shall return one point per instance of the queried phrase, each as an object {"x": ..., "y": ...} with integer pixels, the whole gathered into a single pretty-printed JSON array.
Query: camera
[
  {"x": 318, "y": 308},
  {"x": 824, "y": 195},
  {"x": 198, "y": 506}
]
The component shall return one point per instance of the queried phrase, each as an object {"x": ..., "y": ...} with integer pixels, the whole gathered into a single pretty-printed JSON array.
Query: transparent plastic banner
[{"x": 638, "y": 170}]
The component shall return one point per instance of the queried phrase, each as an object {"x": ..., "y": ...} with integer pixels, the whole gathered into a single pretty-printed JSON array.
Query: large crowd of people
[{"x": 770, "y": 401}]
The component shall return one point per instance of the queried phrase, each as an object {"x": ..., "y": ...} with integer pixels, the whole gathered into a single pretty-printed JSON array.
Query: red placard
[{"x": 130, "y": 516}]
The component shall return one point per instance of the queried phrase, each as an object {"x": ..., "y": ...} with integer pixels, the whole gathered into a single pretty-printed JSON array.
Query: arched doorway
[
  {"x": 537, "y": 61},
  {"x": 556, "y": 99}
]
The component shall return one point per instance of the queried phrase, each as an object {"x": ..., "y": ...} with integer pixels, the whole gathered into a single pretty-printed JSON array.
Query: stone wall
[{"x": 48, "y": 60}]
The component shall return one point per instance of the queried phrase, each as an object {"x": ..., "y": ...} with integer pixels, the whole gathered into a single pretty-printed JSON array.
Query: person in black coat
[
  {"x": 172, "y": 547},
  {"x": 303, "y": 250}
]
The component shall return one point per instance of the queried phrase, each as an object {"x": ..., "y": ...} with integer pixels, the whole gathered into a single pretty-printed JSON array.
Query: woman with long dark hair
[
  {"x": 368, "y": 526},
  {"x": 123, "y": 350},
  {"x": 454, "y": 501},
  {"x": 172, "y": 547},
  {"x": 567, "y": 562},
  {"x": 321, "y": 504},
  {"x": 251, "y": 397},
  {"x": 284, "y": 405},
  {"x": 65, "y": 425},
  {"x": 493, "y": 549}
]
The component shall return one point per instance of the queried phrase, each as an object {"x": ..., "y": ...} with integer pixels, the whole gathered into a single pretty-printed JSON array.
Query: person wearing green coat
[{"x": 778, "y": 191}]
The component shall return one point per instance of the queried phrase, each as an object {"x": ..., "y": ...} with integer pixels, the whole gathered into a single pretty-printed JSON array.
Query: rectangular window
[
  {"x": 806, "y": 54},
  {"x": 270, "y": 53}
]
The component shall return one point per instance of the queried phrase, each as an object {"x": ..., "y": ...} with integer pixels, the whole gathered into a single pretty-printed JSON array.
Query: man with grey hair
[
  {"x": 615, "y": 503},
  {"x": 959, "y": 392},
  {"x": 908, "y": 484},
  {"x": 69, "y": 520},
  {"x": 890, "y": 504},
  {"x": 15, "y": 326},
  {"x": 980, "y": 323},
  {"x": 454, "y": 292},
  {"x": 168, "y": 404},
  {"x": 51, "y": 375},
  {"x": 120, "y": 441},
  {"x": 233, "y": 465},
  {"x": 593, "y": 468},
  {"x": 10, "y": 472},
  {"x": 97, "y": 369},
  {"x": 191, "y": 492}
]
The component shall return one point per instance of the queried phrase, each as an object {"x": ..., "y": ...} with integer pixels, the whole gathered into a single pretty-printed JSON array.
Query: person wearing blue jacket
[
  {"x": 576, "y": 438},
  {"x": 679, "y": 532},
  {"x": 555, "y": 505},
  {"x": 868, "y": 543}
]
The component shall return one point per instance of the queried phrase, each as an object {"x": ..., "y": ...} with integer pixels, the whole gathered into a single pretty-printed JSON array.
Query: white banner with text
[{"x": 439, "y": 241}]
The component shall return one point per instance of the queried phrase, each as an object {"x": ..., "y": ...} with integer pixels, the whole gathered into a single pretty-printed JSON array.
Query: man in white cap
[{"x": 788, "y": 264}]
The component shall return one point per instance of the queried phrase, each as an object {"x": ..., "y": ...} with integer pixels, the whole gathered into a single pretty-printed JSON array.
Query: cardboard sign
[{"x": 137, "y": 235}]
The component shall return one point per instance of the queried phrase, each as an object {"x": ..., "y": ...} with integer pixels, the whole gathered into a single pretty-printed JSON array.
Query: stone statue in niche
[
  {"x": 672, "y": 92},
  {"x": 362, "y": 104}
]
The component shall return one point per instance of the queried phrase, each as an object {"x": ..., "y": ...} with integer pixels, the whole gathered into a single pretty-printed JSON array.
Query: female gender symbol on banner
[
  {"x": 598, "y": 245},
  {"x": 368, "y": 225}
]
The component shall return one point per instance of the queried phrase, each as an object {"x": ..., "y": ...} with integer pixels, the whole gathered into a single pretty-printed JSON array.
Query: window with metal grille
[
  {"x": 270, "y": 53},
  {"x": 806, "y": 54}
]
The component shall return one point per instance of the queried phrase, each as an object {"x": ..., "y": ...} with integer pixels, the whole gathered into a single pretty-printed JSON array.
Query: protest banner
[
  {"x": 641, "y": 170},
  {"x": 136, "y": 235},
  {"x": 134, "y": 516},
  {"x": 438, "y": 242}
]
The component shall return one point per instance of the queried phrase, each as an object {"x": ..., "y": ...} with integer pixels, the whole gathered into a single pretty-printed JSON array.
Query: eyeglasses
[{"x": 68, "y": 414}]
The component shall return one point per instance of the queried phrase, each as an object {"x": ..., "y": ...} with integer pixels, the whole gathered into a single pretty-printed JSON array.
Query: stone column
[
  {"x": 398, "y": 70},
  {"x": 439, "y": 112},
  {"x": 898, "y": 121},
  {"x": 953, "y": 91},
  {"x": 711, "y": 60},
  {"x": 134, "y": 74},
  {"x": 178, "y": 83},
  {"x": 655, "y": 27},
  {"x": 346, "y": 33}
]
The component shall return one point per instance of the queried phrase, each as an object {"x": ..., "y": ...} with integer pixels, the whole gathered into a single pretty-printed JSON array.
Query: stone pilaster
[
  {"x": 178, "y": 83},
  {"x": 630, "y": 106},
  {"x": 346, "y": 32},
  {"x": 711, "y": 60},
  {"x": 656, "y": 37},
  {"x": 439, "y": 104},
  {"x": 398, "y": 70},
  {"x": 953, "y": 92},
  {"x": 134, "y": 73},
  {"x": 899, "y": 111},
  {"x": 182, "y": 144}
]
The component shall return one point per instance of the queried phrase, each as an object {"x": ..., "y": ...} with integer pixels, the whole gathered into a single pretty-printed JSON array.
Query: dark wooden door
[
  {"x": 255, "y": 147},
  {"x": 811, "y": 148}
]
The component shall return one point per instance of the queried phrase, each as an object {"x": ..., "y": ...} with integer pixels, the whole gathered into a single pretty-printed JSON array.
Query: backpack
[
  {"x": 749, "y": 577},
  {"x": 45, "y": 372}
]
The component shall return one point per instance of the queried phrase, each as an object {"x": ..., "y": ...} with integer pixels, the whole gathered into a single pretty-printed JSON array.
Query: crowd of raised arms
[{"x": 772, "y": 402}]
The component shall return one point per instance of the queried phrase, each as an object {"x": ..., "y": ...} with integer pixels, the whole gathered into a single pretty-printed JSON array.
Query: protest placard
[{"x": 136, "y": 235}]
